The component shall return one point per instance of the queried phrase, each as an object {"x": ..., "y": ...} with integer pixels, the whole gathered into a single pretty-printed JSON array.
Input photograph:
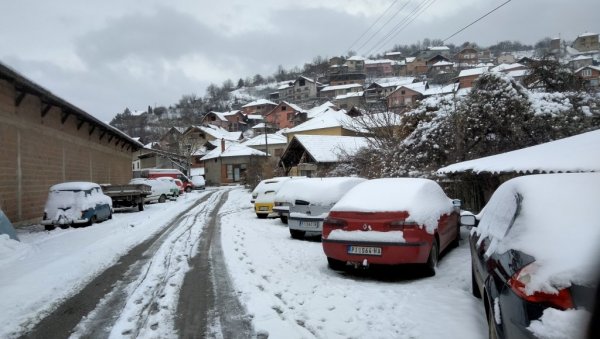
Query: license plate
[
  {"x": 263, "y": 208},
  {"x": 309, "y": 224},
  {"x": 364, "y": 250}
]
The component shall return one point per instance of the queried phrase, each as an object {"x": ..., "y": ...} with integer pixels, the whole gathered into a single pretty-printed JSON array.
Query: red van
[{"x": 153, "y": 173}]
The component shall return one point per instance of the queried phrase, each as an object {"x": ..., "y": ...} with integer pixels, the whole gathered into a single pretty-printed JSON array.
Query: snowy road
[{"x": 205, "y": 266}]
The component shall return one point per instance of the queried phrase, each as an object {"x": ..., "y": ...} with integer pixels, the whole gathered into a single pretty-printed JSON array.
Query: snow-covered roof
[
  {"x": 259, "y": 126},
  {"x": 349, "y": 95},
  {"x": 438, "y": 48},
  {"x": 439, "y": 90},
  {"x": 151, "y": 145},
  {"x": 506, "y": 67},
  {"x": 410, "y": 59},
  {"x": 579, "y": 153},
  {"x": 219, "y": 132},
  {"x": 393, "y": 53},
  {"x": 443, "y": 63},
  {"x": 74, "y": 186},
  {"x": 334, "y": 88},
  {"x": 294, "y": 106},
  {"x": 581, "y": 57},
  {"x": 394, "y": 82},
  {"x": 327, "y": 119},
  {"x": 587, "y": 34},
  {"x": 420, "y": 87},
  {"x": 328, "y": 148},
  {"x": 313, "y": 112},
  {"x": 399, "y": 195},
  {"x": 356, "y": 58},
  {"x": 259, "y": 102},
  {"x": 379, "y": 61},
  {"x": 233, "y": 150},
  {"x": 472, "y": 71},
  {"x": 272, "y": 139},
  {"x": 518, "y": 73}
]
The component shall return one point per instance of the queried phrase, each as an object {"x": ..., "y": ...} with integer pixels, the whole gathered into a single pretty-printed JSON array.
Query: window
[
  {"x": 586, "y": 72},
  {"x": 283, "y": 108},
  {"x": 302, "y": 82},
  {"x": 402, "y": 92}
]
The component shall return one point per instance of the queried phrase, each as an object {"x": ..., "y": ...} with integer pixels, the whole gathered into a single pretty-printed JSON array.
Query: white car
[
  {"x": 160, "y": 189},
  {"x": 174, "y": 188},
  {"x": 263, "y": 196},
  {"x": 311, "y": 201},
  {"x": 199, "y": 182}
]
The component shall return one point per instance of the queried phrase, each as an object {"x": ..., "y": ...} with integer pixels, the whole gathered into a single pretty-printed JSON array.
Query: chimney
[{"x": 222, "y": 145}]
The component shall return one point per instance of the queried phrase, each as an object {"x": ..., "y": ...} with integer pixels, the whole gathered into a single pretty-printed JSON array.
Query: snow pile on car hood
[
  {"x": 555, "y": 218},
  {"x": 556, "y": 324},
  {"x": 423, "y": 199},
  {"x": 317, "y": 191}
]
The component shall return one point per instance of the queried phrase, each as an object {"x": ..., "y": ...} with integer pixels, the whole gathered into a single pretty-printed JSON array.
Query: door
[{"x": 236, "y": 174}]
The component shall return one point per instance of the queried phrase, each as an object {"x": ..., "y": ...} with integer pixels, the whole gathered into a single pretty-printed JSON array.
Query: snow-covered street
[{"x": 284, "y": 285}]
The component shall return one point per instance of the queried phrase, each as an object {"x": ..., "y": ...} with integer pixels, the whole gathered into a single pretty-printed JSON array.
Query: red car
[{"x": 390, "y": 222}]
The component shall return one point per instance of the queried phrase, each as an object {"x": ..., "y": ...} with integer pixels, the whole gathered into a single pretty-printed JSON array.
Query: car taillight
[
  {"x": 334, "y": 223},
  {"x": 403, "y": 224},
  {"x": 561, "y": 300}
]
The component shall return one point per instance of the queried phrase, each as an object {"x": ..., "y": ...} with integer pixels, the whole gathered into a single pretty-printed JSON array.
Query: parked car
[
  {"x": 263, "y": 196},
  {"x": 199, "y": 182},
  {"x": 180, "y": 185},
  {"x": 312, "y": 198},
  {"x": 153, "y": 173},
  {"x": 74, "y": 204},
  {"x": 173, "y": 187},
  {"x": 534, "y": 252},
  {"x": 160, "y": 190},
  {"x": 389, "y": 222},
  {"x": 284, "y": 198}
]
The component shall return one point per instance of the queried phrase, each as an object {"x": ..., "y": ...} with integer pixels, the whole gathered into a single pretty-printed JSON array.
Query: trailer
[{"x": 131, "y": 195}]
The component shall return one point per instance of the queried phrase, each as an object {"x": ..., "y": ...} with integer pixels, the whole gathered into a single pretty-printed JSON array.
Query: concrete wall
[{"x": 38, "y": 152}]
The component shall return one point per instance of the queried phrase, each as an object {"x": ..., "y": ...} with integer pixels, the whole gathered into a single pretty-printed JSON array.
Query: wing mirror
[{"x": 468, "y": 220}]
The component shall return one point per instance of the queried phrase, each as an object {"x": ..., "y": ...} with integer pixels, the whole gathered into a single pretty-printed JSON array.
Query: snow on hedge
[
  {"x": 317, "y": 191},
  {"x": 556, "y": 220},
  {"x": 423, "y": 199}
]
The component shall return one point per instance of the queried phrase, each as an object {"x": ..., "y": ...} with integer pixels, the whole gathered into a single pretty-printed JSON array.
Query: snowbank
[{"x": 423, "y": 199}]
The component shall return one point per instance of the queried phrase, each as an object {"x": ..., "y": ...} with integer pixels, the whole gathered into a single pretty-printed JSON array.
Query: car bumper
[
  {"x": 306, "y": 224},
  {"x": 63, "y": 221},
  {"x": 391, "y": 253},
  {"x": 264, "y": 208}
]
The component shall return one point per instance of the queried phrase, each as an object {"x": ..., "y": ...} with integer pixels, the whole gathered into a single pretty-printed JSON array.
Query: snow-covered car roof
[
  {"x": 555, "y": 218},
  {"x": 74, "y": 186},
  {"x": 263, "y": 183},
  {"x": 317, "y": 191},
  {"x": 423, "y": 199}
]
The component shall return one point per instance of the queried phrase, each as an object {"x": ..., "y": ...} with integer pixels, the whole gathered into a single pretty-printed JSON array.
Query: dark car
[{"x": 533, "y": 254}]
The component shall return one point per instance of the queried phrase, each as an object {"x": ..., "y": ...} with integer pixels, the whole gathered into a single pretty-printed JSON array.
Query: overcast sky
[{"x": 113, "y": 54}]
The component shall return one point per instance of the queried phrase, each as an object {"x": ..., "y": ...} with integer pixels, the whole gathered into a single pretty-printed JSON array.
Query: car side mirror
[{"x": 468, "y": 220}]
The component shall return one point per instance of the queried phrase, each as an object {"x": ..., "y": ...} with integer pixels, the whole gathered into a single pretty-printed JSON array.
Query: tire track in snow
[{"x": 107, "y": 289}]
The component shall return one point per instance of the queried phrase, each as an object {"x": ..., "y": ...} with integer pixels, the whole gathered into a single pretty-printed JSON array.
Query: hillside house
[
  {"x": 273, "y": 143},
  {"x": 379, "y": 68},
  {"x": 468, "y": 76},
  {"x": 587, "y": 42},
  {"x": 349, "y": 100},
  {"x": 304, "y": 89},
  {"x": 260, "y": 107},
  {"x": 467, "y": 57},
  {"x": 345, "y": 78},
  {"x": 283, "y": 115},
  {"x": 330, "y": 122},
  {"x": 581, "y": 61},
  {"x": 331, "y": 92},
  {"x": 590, "y": 76},
  {"x": 416, "y": 66},
  {"x": 355, "y": 64},
  {"x": 231, "y": 121},
  {"x": 406, "y": 96},
  {"x": 227, "y": 164},
  {"x": 381, "y": 88}
]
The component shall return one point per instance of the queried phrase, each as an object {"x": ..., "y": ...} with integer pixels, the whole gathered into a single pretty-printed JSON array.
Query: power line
[
  {"x": 423, "y": 9},
  {"x": 472, "y": 23},
  {"x": 413, "y": 14},
  {"x": 372, "y": 25},
  {"x": 379, "y": 30}
]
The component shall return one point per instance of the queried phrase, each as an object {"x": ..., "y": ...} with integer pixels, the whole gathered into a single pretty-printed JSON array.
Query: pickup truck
[{"x": 131, "y": 195}]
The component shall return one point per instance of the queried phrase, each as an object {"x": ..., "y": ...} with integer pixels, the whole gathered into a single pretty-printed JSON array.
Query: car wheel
[
  {"x": 492, "y": 334},
  {"x": 110, "y": 215},
  {"x": 49, "y": 227},
  {"x": 433, "y": 258},
  {"x": 92, "y": 220},
  {"x": 261, "y": 216},
  {"x": 140, "y": 206},
  {"x": 297, "y": 234},
  {"x": 474, "y": 288},
  {"x": 284, "y": 219},
  {"x": 188, "y": 189},
  {"x": 162, "y": 198},
  {"x": 335, "y": 264},
  {"x": 64, "y": 226}
]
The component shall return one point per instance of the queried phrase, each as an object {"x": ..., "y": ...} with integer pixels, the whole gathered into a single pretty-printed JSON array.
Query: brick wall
[{"x": 38, "y": 152}]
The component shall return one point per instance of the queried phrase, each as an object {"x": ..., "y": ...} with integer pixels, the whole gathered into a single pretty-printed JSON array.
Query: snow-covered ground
[
  {"x": 291, "y": 293},
  {"x": 47, "y": 267}
]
